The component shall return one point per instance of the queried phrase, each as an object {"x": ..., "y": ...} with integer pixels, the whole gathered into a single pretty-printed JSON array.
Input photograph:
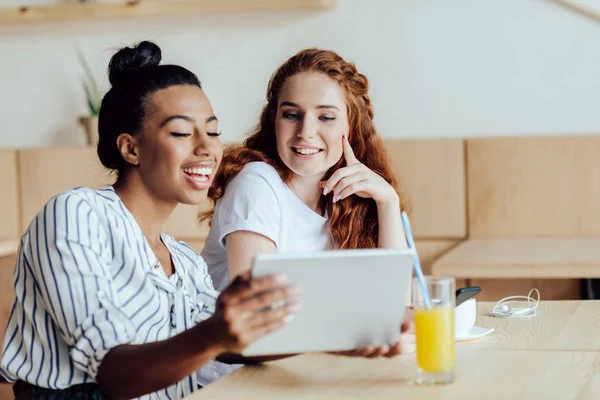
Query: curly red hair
[{"x": 353, "y": 221}]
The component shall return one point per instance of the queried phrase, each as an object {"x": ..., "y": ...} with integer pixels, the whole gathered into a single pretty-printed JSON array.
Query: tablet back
[{"x": 350, "y": 299}]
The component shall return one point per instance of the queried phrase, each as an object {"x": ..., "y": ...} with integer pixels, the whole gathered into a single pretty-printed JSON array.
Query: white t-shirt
[{"x": 257, "y": 200}]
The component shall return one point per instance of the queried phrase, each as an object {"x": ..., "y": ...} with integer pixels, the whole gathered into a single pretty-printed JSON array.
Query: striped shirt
[{"x": 86, "y": 280}]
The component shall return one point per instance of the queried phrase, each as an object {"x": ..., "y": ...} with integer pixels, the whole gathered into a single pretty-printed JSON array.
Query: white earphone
[{"x": 502, "y": 309}]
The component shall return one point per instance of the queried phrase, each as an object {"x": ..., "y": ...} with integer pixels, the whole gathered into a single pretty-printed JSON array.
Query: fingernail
[
  {"x": 280, "y": 278},
  {"x": 289, "y": 319},
  {"x": 296, "y": 307},
  {"x": 325, "y": 191}
]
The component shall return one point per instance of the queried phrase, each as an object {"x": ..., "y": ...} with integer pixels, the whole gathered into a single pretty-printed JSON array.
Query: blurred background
[
  {"x": 438, "y": 68},
  {"x": 490, "y": 111}
]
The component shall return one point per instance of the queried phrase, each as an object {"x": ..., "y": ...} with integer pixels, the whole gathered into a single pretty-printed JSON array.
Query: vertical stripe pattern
[{"x": 86, "y": 281}]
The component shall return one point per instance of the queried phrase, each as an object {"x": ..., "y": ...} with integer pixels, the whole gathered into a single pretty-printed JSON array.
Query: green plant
[{"x": 90, "y": 86}]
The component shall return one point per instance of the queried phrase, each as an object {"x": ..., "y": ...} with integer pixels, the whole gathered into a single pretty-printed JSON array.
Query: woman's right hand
[{"x": 245, "y": 312}]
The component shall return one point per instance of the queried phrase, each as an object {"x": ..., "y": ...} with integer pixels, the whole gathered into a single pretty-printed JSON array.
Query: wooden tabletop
[
  {"x": 522, "y": 258},
  {"x": 553, "y": 355},
  {"x": 558, "y": 325}
]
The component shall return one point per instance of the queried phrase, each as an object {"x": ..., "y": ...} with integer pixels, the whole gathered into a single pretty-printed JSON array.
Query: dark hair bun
[{"x": 145, "y": 54}]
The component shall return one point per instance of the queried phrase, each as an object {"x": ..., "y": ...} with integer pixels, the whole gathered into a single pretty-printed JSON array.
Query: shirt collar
[{"x": 108, "y": 192}]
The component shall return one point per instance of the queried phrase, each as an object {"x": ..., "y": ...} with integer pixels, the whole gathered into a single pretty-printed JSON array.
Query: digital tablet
[{"x": 350, "y": 299}]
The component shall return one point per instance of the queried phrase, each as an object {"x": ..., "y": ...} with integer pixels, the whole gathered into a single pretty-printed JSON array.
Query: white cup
[{"x": 464, "y": 317}]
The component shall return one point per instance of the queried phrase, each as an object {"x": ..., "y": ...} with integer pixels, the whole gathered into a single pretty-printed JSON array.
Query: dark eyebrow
[
  {"x": 186, "y": 118},
  {"x": 172, "y": 117},
  {"x": 290, "y": 104}
]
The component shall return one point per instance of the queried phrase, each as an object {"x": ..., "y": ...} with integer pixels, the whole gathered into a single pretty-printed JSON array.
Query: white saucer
[{"x": 473, "y": 333}]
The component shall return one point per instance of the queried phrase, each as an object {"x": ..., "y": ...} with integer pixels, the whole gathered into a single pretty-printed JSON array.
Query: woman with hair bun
[{"x": 107, "y": 306}]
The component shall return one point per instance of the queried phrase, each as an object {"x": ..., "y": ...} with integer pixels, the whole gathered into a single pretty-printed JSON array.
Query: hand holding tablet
[{"x": 351, "y": 299}]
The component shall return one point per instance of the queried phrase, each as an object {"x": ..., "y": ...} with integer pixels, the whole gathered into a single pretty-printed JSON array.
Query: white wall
[{"x": 437, "y": 67}]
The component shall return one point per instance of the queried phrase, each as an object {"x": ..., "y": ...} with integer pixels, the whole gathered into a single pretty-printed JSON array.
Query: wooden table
[
  {"x": 558, "y": 326},
  {"x": 554, "y": 355}
]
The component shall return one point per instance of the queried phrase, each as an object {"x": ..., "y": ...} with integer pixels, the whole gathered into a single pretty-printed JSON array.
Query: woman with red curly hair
[{"x": 312, "y": 176}]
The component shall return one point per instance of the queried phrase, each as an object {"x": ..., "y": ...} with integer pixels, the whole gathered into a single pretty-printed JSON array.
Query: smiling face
[
  {"x": 311, "y": 119},
  {"x": 178, "y": 150}
]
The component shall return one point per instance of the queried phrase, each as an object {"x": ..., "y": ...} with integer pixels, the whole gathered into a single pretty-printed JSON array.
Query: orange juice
[{"x": 435, "y": 339}]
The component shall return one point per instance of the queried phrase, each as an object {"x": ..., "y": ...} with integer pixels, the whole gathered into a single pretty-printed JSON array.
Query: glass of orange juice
[{"x": 434, "y": 324}]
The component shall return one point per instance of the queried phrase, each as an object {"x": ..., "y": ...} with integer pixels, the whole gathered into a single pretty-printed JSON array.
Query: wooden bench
[
  {"x": 492, "y": 189},
  {"x": 429, "y": 170},
  {"x": 8, "y": 248},
  {"x": 522, "y": 258},
  {"x": 9, "y": 196},
  {"x": 431, "y": 173},
  {"x": 533, "y": 216}
]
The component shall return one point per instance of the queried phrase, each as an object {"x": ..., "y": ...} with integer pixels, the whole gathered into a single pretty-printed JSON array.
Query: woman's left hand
[{"x": 356, "y": 178}]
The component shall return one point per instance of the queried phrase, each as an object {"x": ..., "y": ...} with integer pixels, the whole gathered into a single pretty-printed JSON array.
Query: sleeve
[
  {"x": 250, "y": 203},
  {"x": 69, "y": 257}
]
